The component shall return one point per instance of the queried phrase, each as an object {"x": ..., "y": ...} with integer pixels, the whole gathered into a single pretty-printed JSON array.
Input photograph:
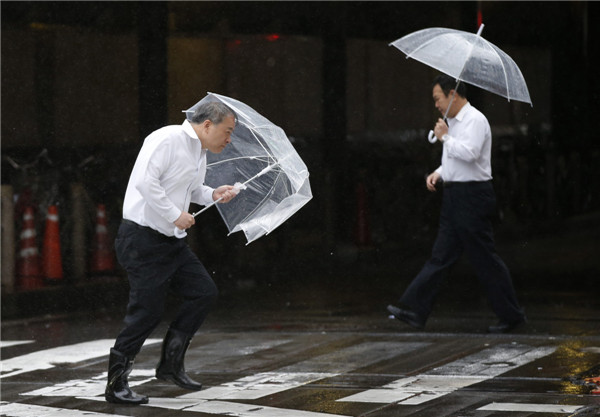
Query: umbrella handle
[
  {"x": 179, "y": 234},
  {"x": 431, "y": 137}
]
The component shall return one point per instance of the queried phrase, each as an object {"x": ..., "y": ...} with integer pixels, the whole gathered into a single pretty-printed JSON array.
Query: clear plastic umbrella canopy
[
  {"x": 467, "y": 57},
  {"x": 262, "y": 158}
]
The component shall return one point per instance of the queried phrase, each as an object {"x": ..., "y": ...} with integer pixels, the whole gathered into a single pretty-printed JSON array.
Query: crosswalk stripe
[
  {"x": 304, "y": 372},
  {"x": 411, "y": 390},
  {"x": 95, "y": 386},
  {"x": 535, "y": 408},
  {"x": 28, "y": 410},
  {"x": 90, "y": 387},
  {"x": 301, "y": 373},
  {"x": 9, "y": 343},
  {"x": 48, "y": 358},
  {"x": 252, "y": 410},
  {"x": 450, "y": 377},
  {"x": 225, "y": 408},
  {"x": 494, "y": 361},
  {"x": 258, "y": 385}
]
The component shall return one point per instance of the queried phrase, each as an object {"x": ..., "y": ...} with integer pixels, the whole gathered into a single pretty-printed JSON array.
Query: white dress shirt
[
  {"x": 467, "y": 148},
  {"x": 168, "y": 174}
]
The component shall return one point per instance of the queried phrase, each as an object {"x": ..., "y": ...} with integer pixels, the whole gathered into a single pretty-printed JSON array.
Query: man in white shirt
[
  {"x": 465, "y": 220},
  {"x": 167, "y": 176}
]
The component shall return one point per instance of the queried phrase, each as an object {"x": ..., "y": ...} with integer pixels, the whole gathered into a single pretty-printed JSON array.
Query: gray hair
[{"x": 213, "y": 111}]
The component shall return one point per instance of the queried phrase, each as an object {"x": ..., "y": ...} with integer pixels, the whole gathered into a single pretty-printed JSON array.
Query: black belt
[
  {"x": 144, "y": 228},
  {"x": 448, "y": 184}
]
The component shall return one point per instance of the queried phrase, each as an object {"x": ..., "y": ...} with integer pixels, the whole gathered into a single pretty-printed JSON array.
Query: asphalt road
[{"x": 301, "y": 355}]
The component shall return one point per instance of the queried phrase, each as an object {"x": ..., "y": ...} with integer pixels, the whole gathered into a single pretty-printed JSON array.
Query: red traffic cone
[
  {"x": 28, "y": 268},
  {"x": 102, "y": 255},
  {"x": 51, "y": 256}
]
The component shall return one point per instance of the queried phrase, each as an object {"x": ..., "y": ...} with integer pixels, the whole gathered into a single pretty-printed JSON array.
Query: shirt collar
[
  {"x": 189, "y": 130},
  {"x": 461, "y": 113}
]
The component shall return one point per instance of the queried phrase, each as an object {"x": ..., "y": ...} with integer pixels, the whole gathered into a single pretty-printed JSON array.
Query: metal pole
[
  {"x": 78, "y": 241},
  {"x": 8, "y": 240}
]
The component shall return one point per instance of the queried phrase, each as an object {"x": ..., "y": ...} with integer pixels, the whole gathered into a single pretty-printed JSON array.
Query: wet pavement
[{"x": 320, "y": 349}]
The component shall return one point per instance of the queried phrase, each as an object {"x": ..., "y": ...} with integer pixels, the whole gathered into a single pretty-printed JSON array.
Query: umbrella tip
[{"x": 480, "y": 29}]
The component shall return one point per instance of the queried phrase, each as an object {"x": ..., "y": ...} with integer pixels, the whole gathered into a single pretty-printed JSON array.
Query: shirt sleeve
[
  {"x": 203, "y": 195},
  {"x": 468, "y": 146},
  {"x": 152, "y": 190}
]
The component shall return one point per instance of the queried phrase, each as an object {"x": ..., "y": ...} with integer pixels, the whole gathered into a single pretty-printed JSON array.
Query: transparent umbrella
[
  {"x": 263, "y": 163},
  {"x": 467, "y": 57}
]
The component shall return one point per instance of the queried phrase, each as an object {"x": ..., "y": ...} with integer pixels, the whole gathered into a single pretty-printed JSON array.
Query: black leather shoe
[
  {"x": 504, "y": 327},
  {"x": 407, "y": 316}
]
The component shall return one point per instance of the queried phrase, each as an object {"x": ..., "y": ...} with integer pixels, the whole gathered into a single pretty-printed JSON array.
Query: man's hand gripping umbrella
[{"x": 237, "y": 187}]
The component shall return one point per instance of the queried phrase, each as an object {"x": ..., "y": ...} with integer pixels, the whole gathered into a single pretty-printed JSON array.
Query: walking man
[
  {"x": 167, "y": 176},
  {"x": 468, "y": 203}
]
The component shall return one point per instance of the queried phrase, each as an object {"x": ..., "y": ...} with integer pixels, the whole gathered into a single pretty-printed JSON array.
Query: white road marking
[
  {"x": 535, "y": 408},
  {"x": 158, "y": 402},
  {"x": 90, "y": 387},
  {"x": 8, "y": 343},
  {"x": 258, "y": 385},
  {"x": 252, "y": 410},
  {"x": 225, "y": 408},
  {"x": 97, "y": 384},
  {"x": 590, "y": 349},
  {"x": 435, "y": 383},
  {"x": 305, "y": 372},
  {"x": 450, "y": 377},
  {"x": 48, "y": 358},
  {"x": 414, "y": 390},
  {"x": 494, "y": 361},
  {"x": 28, "y": 410}
]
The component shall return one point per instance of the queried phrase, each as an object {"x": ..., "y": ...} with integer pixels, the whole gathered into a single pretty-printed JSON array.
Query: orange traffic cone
[
  {"x": 28, "y": 268},
  {"x": 102, "y": 256},
  {"x": 51, "y": 257}
]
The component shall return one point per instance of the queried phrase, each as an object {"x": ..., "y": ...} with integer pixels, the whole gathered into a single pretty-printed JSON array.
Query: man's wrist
[{"x": 445, "y": 137}]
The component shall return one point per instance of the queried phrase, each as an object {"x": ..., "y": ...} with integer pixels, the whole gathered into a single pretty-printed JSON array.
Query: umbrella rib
[
  {"x": 501, "y": 63},
  {"x": 491, "y": 46},
  {"x": 261, "y": 201},
  {"x": 262, "y": 126},
  {"x": 258, "y": 157},
  {"x": 252, "y": 129},
  {"x": 424, "y": 44},
  {"x": 471, "y": 46},
  {"x": 260, "y": 143}
]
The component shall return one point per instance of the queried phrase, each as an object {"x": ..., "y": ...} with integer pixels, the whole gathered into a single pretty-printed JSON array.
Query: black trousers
[
  {"x": 465, "y": 226},
  {"x": 155, "y": 265}
]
